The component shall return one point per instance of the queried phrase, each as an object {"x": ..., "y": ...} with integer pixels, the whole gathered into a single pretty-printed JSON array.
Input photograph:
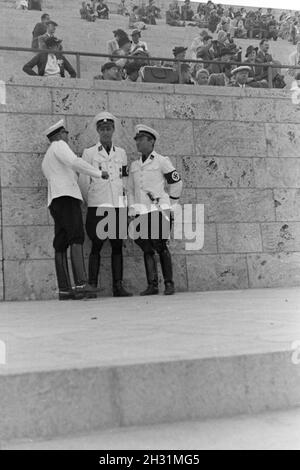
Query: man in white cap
[
  {"x": 146, "y": 195},
  {"x": 59, "y": 166},
  {"x": 110, "y": 195}
]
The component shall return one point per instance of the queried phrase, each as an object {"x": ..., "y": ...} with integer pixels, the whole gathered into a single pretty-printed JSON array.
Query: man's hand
[{"x": 105, "y": 175}]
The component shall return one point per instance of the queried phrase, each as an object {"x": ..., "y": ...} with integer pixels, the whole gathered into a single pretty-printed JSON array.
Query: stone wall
[{"x": 237, "y": 151}]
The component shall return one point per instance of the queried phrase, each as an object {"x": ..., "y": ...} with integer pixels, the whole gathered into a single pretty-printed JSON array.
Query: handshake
[{"x": 104, "y": 175}]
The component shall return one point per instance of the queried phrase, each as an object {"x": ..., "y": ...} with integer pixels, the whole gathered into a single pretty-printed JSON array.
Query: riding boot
[
  {"x": 82, "y": 287},
  {"x": 167, "y": 270},
  {"x": 152, "y": 275},
  {"x": 63, "y": 278},
  {"x": 94, "y": 267},
  {"x": 117, "y": 275}
]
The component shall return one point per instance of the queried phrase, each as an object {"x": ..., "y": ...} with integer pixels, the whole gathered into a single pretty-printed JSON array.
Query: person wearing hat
[
  {"x": 111, "y": 71},
  {"x": 221, "y": 79},
  {"x": 51, "y": 28},
  {"x": 59, "y": 166},
  {"x": 50, "y": 63},
  {"x": 137, "y": 44},
  {"x": 241, "y": 76},
  {"x": 39, "y": 29},
  {"x": 187, "y": 13},
  {"x": 197, "y": 43},
  {"x": 151, "y": 204},
  {"x": 110, "y": 196}
]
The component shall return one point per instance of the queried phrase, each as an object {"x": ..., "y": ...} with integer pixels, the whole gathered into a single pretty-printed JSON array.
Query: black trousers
[
  {"x": 156, "y": 231},
  {"x": 119, "y": 228},
  {"x": 68, "y": 225}
]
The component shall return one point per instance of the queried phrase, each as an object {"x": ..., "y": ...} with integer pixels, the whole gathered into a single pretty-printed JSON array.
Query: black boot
[
  {"x": 81, "y": 285},
  {"x": 151, "y": 273},
  {"x": 65, "y": 291},
  {"x": 167, "y": 270},
  {"x": 117, "y": 275},
  {"x": 94, "y": 266}
]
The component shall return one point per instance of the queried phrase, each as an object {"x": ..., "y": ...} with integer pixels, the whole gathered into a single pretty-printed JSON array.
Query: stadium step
[{"x": 81, "y": 367}]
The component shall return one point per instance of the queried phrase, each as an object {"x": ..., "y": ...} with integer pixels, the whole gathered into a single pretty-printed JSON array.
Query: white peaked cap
[
  {"x": 58, "y": 125},
  {"x": 141, "y": 129},
  {"x": 104, "y": 116}
]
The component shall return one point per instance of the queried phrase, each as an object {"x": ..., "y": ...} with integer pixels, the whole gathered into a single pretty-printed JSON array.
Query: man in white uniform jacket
[
  {"x": 147, "y": 195},
  {"x": 59, "y": 166},
  {"x": 110, "y": 196}
]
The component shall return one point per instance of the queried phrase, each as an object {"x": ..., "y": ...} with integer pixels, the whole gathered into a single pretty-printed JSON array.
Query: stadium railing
[{"x": 79, "y": 54}]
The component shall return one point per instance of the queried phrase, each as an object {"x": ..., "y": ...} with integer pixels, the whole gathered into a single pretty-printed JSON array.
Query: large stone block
[
  {"x": 134, "y": 87},
  {"x": 136, "y": 105},
  {"x": 287, "y": 202},
  {"x": 198, "y": 107},
  {"x": 240, "y": 205},
  {"x": 22, "y": 170},
  {"x": 79, "y": 102},
  {"x": 281, "y": 236},
  {"x": 274, "y": 270},
  {"x": 21, "y": 99},
  {"x": 287, "y": 111},
  {"x": 24, "y": 206},
  {"x": 55, "y": 82},
  {"x": 30, "y": 280},
  {"x": 283, "y": 140},
  {"x": 82, "y": 133},
  {"x": 254, "y": 109},
  {"x": 186, "y": 245},
  {"x": 176, "y": 136},
  {"x": 216, "y": 272},
  {"x": 214, "y": 172},
  {"x": 28, "y": 242},
  {"x": 232, "y": 138},
  {"x": 25, "y": 133},
  {"x": 276, "y": 172},
  {"x": 239, "y": 238}
]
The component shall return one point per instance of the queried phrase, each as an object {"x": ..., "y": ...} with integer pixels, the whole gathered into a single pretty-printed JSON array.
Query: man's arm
[
  {"x": 28, "y": 68},
  {"x": 69, "y": 68},
  {"x": 173, "y": 179},
  {"x": 66, "y": 156}
]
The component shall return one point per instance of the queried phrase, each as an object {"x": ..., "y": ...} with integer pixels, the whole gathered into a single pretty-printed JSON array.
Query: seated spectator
[
  {"x": 51, "y": 28},
  {"x": 39, "y": 30},
  {"x": 197, "y": 43},
  {"x": 187, "y": 12},
  {"x": 110, "y": 71},
  {"x": 86, "y": 12},
  {"x": 152, "y": 12},
  {"x": 137, "y": 44},
  {"x": 50, "y": 63},
  {"x": 173, "y": 17},
  {"x": 122, "y": 9},
  {"x": 263, "y": 57},
  {"x": 202, "y": 77},
  {"x": 124, "y": 49},
  {"x": 35, "y": 5},
  {"x": 22, "y": 5},
  {"x": 225, "y": 56},
  {"x": 114, "y": 44},
  {"x": 132, "y": 71},
  {"x": 250, "y": 58},
  {"x": 221, "y": 79},
  {"x": 135, "y": 20},
  {"x": 186, "y": 76},
  {"x": 102, "y": 10},
  {"x": 205, "y": 52},
  {"x": 241, "y": 78},
  {"x": 213, "y": 21},
  {"x": 179, "y": 53}
]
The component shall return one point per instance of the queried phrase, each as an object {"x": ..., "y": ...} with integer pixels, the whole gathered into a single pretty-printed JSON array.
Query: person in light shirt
[
  {"x": 51, "y": 63},
  {"x": 60, "y": 166}
]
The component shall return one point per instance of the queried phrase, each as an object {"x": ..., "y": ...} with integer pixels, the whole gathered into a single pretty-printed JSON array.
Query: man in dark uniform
[{"x": 152, "y": 206}]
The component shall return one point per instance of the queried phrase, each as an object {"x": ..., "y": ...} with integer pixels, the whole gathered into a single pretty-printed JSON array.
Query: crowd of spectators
[{"x": 225, "y": 23}]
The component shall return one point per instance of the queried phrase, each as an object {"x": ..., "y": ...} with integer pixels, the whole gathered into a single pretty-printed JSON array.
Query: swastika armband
[
  {"x": 172, "y": 177},
  {"x": 125, "y": 171}
]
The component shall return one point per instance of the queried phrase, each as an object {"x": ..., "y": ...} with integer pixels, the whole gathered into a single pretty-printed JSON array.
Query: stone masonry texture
[{"x": 237, "y": 151}]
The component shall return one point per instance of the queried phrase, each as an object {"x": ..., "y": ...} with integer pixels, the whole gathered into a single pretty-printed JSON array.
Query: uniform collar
[
  {"x": 102, "y": 149},
  {"x": 149, "y": 159}
]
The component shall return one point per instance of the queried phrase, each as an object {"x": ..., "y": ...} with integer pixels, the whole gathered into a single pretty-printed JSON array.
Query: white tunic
[
  {"x": 150, "y": 177},
  {"x": 59, "y": 166},
  {"x": 105, "y": 192}
]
